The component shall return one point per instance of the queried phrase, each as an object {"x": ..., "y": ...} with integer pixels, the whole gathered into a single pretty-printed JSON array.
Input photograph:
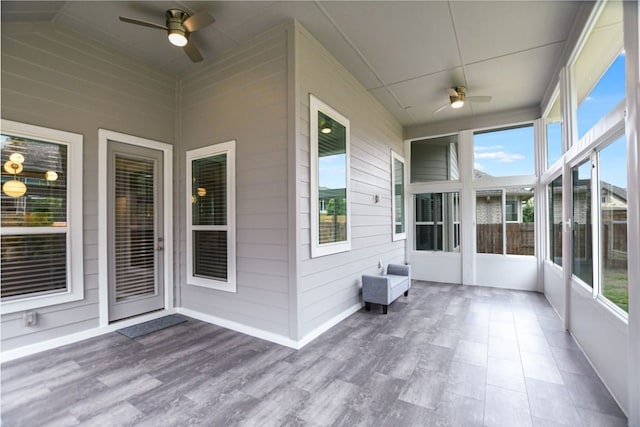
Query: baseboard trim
[
  {"x": 239, "y": 327},
  {"x": 328, "y": 325},
  {"x": 28, "y": 350}
]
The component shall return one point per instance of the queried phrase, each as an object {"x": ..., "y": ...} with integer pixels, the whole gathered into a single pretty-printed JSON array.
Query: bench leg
[
  {"x": 384, "y": 309},
  {"x": 406, "y": 293},
  {"x": 367, "y": 306}
]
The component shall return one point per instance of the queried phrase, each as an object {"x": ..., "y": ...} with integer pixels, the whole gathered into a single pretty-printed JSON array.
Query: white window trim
[
  {"x": 398, "y": 236},
  {"x": 317, "y": 249},
  {"x": 230, "y": 285},
  {"x": 75, "y": 260}
]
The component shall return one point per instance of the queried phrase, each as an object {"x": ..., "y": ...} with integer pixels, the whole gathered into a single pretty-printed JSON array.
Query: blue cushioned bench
[{"x": 386, "y": 289}]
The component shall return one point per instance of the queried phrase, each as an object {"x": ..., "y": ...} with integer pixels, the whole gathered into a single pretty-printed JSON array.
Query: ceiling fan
[
  {"x": 179, "y": 25},
  {"x": 458, "y": 97}
]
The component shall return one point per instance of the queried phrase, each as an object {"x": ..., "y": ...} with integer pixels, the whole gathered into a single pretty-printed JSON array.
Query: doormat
[{"x": 151, "y": 326}]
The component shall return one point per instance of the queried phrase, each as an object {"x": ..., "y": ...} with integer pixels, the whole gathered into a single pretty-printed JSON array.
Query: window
[
  {"x": 512, "y": 204},
  {"x": 437, "y": 222},
  {"x": 599, "y": 69},
  {"x": 397, "y": 194},
  {"x": 41, "y": 217},
  {"x": 555, "y": 220},
  {"x": 435, "y": 159},
  {"x": 504, "y": 152},
  {"x": 505, "y": 221},
  {"x": 612, "y": 161},
  {"x": 330, "y": 227},
  {"x": 582, "y": 247},
  {"x": 553, "y": 122},
  {"x": 211, "y": 217}
]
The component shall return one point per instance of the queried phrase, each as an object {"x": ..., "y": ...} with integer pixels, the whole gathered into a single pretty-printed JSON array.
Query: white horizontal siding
[
  {"x": 330, "y": 285},
  {"x": 243, "y": 97},
  {"x": 53, "y": 78}
]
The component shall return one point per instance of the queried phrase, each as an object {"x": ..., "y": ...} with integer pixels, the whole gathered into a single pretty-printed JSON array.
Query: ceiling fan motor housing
[{"x": 175, "y": 22}]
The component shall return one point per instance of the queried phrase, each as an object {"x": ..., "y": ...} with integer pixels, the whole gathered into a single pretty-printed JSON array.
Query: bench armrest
[
  {"x": 399, "y": 270},
  {"x": 375, "y": 289}
]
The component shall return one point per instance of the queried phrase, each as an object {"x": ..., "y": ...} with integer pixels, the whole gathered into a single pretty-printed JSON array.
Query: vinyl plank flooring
[{"x": 444, "y": 356}]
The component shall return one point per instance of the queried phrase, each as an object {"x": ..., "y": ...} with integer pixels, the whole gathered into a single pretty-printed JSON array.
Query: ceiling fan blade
[
  {"x": 478, "y": 99},
  {"x": 143, "y": 23},
  {"x": 192, "y": 52},
  {"x": 197, "y": 21},
  {"x": 442, "y": 107}
]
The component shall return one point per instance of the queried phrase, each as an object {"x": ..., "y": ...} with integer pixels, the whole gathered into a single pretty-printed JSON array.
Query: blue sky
[
  {"x": 331, "y": 171},
  {"x": 511, "y": 152},
  {"x": 505, "y": 152}
]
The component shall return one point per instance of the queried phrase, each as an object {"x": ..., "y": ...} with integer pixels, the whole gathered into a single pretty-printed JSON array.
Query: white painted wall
[
  {"x": 52, "y": 78},
  {"x": 554, "y": 288},
  {"x": 444, "y": 267},
  {"x": 507, "y": 271},
  {"x": 329, "y": 286},
  {"x": 603, "y": 337}
]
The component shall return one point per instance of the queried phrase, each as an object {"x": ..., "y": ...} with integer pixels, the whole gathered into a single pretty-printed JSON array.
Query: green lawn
[{"x": 615, "y": 286}]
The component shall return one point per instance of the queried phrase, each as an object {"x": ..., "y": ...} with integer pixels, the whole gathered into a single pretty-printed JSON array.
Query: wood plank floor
[{"x": 444, "y": 355}]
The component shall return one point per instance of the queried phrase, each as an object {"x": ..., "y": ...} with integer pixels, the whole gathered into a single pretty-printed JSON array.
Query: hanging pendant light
[{"x": 14, "y": 188}]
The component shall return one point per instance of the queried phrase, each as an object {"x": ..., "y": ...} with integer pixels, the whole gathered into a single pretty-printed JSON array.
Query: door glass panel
[
  {"x": 134, "y": 228},
  {"x": 489, "y": 229},
  {"x": 555, "y": 220},
  {"x": 582, "y": 249},
  {"x": 613, "y": 231}
]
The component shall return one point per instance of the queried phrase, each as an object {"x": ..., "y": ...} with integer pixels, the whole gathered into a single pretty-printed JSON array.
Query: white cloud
[
  {"x": 500, "y": 156},
  {"x": 491, "y": 147},
  {"x": 478, "y": 166}
]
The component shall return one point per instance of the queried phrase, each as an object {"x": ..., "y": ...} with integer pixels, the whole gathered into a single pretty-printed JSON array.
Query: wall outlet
[{"x": 30, "y": 318}]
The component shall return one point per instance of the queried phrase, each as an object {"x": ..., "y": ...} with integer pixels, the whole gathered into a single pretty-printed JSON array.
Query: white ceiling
[{"x": 407, "y": 54}]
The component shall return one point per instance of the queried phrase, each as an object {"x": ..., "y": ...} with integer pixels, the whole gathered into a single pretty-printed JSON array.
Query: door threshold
[{"x": 130, "y": 321}]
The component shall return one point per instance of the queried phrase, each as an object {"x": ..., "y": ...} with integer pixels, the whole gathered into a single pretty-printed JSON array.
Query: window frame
[
  {"x": 598, "y": 282},
  {"x": 317, "y": 249},
  {"x": 556, "y": 97},
  {"x": 74, "y": 228},
  {"x": 228, "y": 148},
  {"x": 398, "y": 236}
]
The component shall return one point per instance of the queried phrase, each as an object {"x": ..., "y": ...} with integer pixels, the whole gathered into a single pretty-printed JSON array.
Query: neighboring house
[{"x": 489, "y": 203}]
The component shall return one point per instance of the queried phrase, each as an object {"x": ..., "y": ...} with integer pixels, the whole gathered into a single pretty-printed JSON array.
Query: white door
[{"x": 135, "y": 230}]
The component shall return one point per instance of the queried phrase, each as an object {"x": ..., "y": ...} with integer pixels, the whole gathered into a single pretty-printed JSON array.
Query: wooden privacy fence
[
  {"x": 520, "y": 238},
  {"x": 614, "y": 244}
]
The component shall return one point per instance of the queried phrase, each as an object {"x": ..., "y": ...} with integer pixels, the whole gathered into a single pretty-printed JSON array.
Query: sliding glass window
[
  {"x": 612, "y": 169},
  {"x": 582, "y": 231},
  {"x": 437, "y": 222},
  {"x": 555, "y": 220}
]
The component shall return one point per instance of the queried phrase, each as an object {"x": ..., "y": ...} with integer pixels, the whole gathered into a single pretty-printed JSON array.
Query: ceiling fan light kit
[
  {"x": 457, "y": 100},
  {"x": 175, "y": 28}
]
